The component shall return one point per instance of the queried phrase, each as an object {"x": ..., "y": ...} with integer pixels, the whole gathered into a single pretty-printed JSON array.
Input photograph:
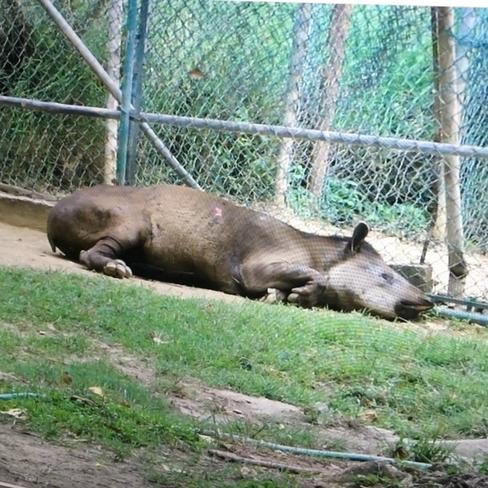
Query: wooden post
[
  {"x": 300, "y": 39},
  {"x": 114, "y": 20},
  {"x": 336, "y": 46},
  {"x": 439, "y": 213},
  {"x": 449, "y": 121},
  {"x": 467, "y": 25}
]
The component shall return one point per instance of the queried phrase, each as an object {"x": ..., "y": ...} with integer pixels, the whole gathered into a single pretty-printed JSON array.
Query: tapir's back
[
  {"x": 192, "y": 229},
  {"x": 176, "y": 228}
]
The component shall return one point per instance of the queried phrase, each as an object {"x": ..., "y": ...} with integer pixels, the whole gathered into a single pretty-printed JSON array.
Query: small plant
[
  {"x": 430, "y": 451},
  {"x": 342, "y": 201},
  {"x": 405, "y": 217},
  {"x": 483, "y": 467}
]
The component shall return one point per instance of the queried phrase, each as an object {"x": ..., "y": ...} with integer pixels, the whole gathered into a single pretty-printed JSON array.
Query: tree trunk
[
  {"x": 468, "y": 23},
  {"x": 331, "y": 74},
  {"x": 300, "y": 38},
  {"x": 462, "y": 65},
  {"x": 449, "y": 122},
  {"x": 439, "y": 214},
  {"x": 115, "y": 20}
]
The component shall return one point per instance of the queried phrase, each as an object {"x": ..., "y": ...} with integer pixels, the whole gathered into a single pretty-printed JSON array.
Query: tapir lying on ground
[{"x": 189, "y": 234}]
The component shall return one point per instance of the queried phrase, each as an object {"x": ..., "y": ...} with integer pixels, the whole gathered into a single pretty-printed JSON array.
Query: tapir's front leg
[
  {"x": 103, "y": 257},
  {"x": 300, "y": 284}
]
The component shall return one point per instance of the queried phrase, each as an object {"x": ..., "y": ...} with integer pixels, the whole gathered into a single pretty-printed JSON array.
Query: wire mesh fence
[
  {"x": 364, "y": 69},
  {"x": 361, "y": 69},
  {"x": 380, "y": 71},
  {"x": 51, "y": 153}
]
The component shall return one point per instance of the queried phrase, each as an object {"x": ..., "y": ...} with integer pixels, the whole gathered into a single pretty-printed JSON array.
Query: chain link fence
[
  {"x": 41, "y": 151},
  {"x": 361, "y": 69}
]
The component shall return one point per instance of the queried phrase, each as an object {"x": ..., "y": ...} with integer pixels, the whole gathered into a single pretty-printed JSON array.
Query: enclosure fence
[{"x": 319, "y": 114}]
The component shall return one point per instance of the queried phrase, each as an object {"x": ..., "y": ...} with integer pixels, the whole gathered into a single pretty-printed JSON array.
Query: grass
[
  {"x": 416, "y": 384},
  {"x": 125, "y": 416}
]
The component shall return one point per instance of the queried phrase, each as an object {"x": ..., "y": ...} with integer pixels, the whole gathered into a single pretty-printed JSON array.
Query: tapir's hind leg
[{"x": 103, "y": 256}]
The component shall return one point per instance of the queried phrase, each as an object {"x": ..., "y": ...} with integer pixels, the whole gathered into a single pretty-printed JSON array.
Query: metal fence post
[
  {"x": 138, "y": 77},
  {"x": 127, "y": 91}
]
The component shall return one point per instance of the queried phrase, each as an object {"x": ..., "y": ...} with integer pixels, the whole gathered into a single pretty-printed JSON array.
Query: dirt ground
[{"x": 27, "y": 461}]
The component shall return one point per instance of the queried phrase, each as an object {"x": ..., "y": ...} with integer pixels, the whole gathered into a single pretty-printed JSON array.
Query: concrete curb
[{"x": 23, "y": 211}]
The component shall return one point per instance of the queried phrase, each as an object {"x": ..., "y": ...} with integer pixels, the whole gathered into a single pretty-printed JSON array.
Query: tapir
[{"x": 190, "y": 235}]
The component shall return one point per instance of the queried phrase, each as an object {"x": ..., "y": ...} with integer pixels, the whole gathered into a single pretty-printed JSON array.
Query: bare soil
[{"x": 29, "y": 461}]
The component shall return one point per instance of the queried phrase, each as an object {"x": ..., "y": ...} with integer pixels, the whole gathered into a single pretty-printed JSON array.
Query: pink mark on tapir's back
[{"x": 218, "y": 215}]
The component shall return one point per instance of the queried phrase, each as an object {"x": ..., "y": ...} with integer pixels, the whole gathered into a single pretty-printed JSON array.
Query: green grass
[
  {"x": 125, "y": 417},
  {"x": 417, "y": 384}
]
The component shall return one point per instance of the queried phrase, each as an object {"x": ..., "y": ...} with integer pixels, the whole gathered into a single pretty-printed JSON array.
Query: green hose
[
  {"x": 12, "y": 396},
  {"x": 350, "y": 456}
]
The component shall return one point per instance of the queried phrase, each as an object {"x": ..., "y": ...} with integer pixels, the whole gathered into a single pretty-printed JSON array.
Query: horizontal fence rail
[{"x": 401, "y": 144}]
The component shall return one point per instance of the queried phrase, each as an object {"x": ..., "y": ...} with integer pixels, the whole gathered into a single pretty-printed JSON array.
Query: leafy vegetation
[
  {"x": 231, "y": 60},
  {"x": 343, "y": 203}
]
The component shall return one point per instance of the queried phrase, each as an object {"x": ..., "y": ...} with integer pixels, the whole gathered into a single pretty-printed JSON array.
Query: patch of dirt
[
  {"x": 443, "y": 480},
  {"x": 205, "y": 403},
  {"x": 135, "y": 368},
  {"x": 27, "y": 460}
]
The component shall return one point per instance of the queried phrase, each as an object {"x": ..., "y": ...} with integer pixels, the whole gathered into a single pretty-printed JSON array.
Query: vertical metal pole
[
  {"x": 137, "y": 92},
  {"x": 126, "y": 91}
]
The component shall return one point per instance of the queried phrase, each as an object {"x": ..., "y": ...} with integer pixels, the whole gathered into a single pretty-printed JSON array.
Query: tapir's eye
[{"x": 387, "y": 277}]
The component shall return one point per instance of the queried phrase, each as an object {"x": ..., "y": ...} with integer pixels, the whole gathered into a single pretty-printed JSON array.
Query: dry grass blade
[{"x": 230, "y": 456}]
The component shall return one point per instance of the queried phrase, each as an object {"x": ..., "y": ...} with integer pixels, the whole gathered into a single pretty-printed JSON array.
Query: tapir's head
[{"x": 360, "y": 279}]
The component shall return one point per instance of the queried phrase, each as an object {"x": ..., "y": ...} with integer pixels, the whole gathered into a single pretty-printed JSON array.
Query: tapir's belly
[{"x": 198, "y": 247}]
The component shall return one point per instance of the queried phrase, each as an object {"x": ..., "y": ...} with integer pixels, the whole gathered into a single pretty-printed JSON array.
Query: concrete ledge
[{"x": 24, "y": 211}]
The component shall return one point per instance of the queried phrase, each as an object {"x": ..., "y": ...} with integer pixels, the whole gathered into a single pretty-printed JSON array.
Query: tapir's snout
[{"x": 408, "y": 310}]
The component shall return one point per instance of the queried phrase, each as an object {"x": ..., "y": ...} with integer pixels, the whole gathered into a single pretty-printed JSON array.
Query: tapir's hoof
[
  {"x": 294, "y": 298},
  {"x": 274, "y": 295},
  {"x": 117, "y": 269},
  {"x": 301, "y": 300}
]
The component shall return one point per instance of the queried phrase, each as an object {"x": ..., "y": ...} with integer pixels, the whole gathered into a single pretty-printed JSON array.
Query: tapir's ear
[{"x": 359, "y": 234}]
